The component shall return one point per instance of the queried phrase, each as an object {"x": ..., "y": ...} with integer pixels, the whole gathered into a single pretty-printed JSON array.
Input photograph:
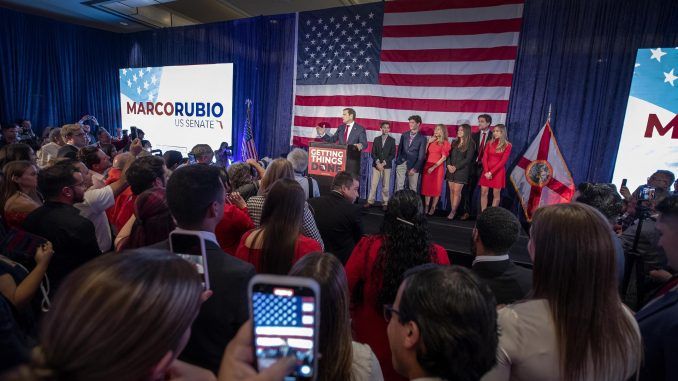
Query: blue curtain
[
  {"x": 53, "y": 73},
  {"x": 578, "y": 55},
  {"x": 262, "y": 51}
]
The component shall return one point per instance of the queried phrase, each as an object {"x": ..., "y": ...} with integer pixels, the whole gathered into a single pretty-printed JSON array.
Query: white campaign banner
[
  {"x": 178, "y": 107},
  {"x": 649, "y": 139}
]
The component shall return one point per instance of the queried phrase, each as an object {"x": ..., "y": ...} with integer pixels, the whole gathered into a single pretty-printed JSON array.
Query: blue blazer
[
  {"x": 414, "y": 154},
  {"x": 357, "y": 135},
  {"x": 658, "y": 324}
]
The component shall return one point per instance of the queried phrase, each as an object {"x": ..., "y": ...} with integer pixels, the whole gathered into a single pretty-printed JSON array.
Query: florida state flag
[{"x": 541, "y": 176}]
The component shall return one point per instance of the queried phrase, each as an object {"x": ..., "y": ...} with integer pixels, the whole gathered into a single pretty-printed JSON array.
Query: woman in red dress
[
  {"x": 278, "y": 243},
  {"x": 494, "y": 166},
  {"x": 437, "y": 150},
  {"x": 376, "y": 266},
  {"x": 19, "y": 193}
]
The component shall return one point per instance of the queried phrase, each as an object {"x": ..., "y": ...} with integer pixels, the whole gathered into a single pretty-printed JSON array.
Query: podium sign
[{"x": 326, "y": 160}]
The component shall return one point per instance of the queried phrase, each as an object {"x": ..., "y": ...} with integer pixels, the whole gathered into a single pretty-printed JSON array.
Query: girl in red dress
[
  {"x": 494, "y": 166},
  {"x": 376, "y": 267},
  {"x": 278, "y": 243},
  {"x": 19, "y": 193},
  {"x": 437, "y": 150}
]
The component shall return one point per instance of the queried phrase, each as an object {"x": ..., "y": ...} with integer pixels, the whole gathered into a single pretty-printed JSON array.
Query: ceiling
[{"x": 126, "y": 16}]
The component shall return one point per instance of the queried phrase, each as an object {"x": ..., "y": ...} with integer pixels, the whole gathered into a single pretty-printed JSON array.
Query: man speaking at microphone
[{"x": 350, "y": 133}]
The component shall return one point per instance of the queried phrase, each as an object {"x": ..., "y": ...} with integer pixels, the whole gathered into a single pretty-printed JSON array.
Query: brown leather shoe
[
  {"x": 367, "y": 205},
  {"x": 464, "y": 217}
]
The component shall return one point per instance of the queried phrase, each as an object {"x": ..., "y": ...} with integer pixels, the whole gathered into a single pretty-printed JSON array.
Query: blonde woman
[
  {"x": 495, "y": 157},
  {"x": 437, "y": 150}
]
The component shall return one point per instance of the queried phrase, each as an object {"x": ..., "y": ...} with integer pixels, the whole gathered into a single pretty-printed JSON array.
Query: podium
[{"x": 325, "y": 160}]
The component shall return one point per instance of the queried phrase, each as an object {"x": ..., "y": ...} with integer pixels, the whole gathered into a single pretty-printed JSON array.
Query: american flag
[
  {"x": 140, "y": 84},
  {"x": 248, "y": 147},
  {"x": 283, "y": 321},
  {"x": 445, "y": 60}
]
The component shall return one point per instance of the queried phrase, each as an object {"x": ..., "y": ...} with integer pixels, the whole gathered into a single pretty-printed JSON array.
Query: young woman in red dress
[
  {"x": 437, "y": 150},
  {"x": 19, "y": 193},
  {"x": 376, "y": 266},
  {"x": 278, "y": 243},
  {"x": 494, "y": 166}
]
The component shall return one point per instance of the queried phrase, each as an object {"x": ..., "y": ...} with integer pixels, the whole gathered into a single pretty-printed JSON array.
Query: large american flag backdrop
[{"x": 445, "y": 60}]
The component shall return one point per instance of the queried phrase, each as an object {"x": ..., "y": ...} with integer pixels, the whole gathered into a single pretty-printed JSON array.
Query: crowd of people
[{"x": 90, "y": 289}]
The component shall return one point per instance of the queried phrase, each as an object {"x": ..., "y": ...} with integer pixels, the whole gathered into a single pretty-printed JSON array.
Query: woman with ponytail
[{"x": 376, "y": 266}]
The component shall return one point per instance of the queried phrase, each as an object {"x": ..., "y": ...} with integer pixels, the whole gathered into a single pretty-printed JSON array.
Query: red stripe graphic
[
  {"x": 442, "y": 105},
  {"x": 436, "y": 5},
  {"x": 456, "y": 29},
  {"x": 451, "y": 55},
  {"x": 441, "y": 80}
]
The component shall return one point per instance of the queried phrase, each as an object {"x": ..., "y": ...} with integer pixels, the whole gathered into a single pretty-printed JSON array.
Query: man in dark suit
[
  {"x": 75, "y": 138},
  {"x": 351, "y": 134},
  {"x": 411, "y": 155},
  {"x": 480, "y": 138},
  {"x": 195, "y": 196},
  {"x": 658, "y": 320},
  {"x": 73, "y": 236},
  {"x": 338, "y": 218},
  {"x": 496, "y": 231},
  {"x": 383, "y": 152}
]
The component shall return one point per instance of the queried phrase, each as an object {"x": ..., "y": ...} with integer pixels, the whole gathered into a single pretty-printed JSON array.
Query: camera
[{"x": 646, "y": 193}]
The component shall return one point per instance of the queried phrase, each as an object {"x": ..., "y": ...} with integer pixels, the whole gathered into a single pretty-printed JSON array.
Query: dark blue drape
[
  {"x": 578, "y": 55},
  {"x": 53, "y": 73},
  {"x": 262, "y": 51}
]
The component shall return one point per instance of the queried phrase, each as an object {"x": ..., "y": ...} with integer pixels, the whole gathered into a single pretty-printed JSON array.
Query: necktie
[
  {"x": 483, "y": 136},
  {"x": 346, "y": 133}
]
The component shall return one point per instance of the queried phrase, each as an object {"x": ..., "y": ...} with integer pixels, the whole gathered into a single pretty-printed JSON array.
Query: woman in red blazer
[
  {"x": 494, "y": 166},
  {"x": 376, "y": 266}
]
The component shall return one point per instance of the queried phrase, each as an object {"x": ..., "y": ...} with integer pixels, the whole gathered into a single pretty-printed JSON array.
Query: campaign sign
[
  {"x": 178, "y": 107},
  {"x": 324, "y": 161},
  {"x": 649, "y": 139}
]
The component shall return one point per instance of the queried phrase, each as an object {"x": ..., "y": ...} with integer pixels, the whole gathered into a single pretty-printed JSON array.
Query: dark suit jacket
[
  {"x": 68, "y": 151},
  {"x": 508, "y": 282},
  {"x": 415, "y": 153},
  {"x": 385, "y": 153},
  {"x": 72, "y": 237},
  {"x": 222, "y": 314},
  {"x": 659, "y": 328},
  {"x": 357, "y": 135},
  {"x": 476, "y": 139},
  {"x": 339, "y": 223}
]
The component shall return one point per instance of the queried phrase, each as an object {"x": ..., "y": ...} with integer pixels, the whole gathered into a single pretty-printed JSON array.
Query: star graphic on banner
[
  {"x": 154, "y": 79},
  {"x": 145, "y": 84},
  {"x": 124, "y": 71},
  {"x": 134, "y": 77},
  {"x": 129, "y": 83},
  {"x": 138, "y": 90},
  {"x": 657, "y": 54},
  {"x": 670, "y": 77},
  {"x": 371, "y": 15},
  {"x": 148, "y": 69},
  {"x": 141, "y": 73}
]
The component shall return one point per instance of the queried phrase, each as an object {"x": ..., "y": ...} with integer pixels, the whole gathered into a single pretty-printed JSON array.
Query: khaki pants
[
  {"x": 385, "y": 187},
  {"x": 412, "y": 180}
]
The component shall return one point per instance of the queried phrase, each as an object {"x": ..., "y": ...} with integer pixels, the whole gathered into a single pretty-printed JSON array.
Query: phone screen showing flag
[{"x": 284, "y": 325}]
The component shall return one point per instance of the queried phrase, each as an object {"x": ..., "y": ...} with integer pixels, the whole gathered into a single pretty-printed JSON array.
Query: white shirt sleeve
[{"x": 99, "y": 199}]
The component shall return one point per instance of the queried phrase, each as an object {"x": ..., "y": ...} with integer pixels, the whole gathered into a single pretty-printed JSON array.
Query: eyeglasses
[{"x": 389, "y": 311}]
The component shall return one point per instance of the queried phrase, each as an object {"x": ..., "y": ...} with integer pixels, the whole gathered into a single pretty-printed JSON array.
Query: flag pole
[{"x": 548, "y": 118}]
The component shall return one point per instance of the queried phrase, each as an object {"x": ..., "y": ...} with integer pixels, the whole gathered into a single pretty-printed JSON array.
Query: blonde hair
[
  {"x": 503, "y": 142},
  {"x": 443, "y": 137},
  {"x": 116, "y": 317},
  {"x": 278, "y": 169},
  {"x": 68, "y": 130}
]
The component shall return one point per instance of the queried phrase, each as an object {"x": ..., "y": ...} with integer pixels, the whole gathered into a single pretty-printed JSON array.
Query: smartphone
[
  {"x": 285, "y": 312},
  {"x": 623, "y": 182},
  {"x": 191, "y": 247},
  {"x": 191, "y": 159},
  {"x": 646, "y": 193}
]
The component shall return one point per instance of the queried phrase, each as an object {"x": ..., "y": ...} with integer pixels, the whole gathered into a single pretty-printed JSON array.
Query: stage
[{"x": 454, "y": 236}]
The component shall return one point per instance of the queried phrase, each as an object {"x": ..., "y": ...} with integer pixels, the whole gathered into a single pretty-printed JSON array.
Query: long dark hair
[
  {"x": 281, "y": 219},
  {"x": 574, "y": 270},
  {"x": 406, "y": 243},
  {"x": 153, "y": 220},
  {"x": 464, "y": 142},
  {"x": 335, "y": 325},
  {"x": 15, "y": 152}
]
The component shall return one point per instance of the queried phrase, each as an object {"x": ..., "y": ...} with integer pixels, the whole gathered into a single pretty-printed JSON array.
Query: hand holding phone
[
  {"x": 191, "y": 247},
  {"x": 286, "y": 318}
]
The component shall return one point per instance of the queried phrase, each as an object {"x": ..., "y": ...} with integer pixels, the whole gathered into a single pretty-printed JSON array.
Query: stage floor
[{"x": 454, "y": 236}]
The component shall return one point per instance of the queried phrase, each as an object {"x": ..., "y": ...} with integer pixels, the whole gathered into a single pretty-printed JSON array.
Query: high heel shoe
[
  {"x": 431, "y": 212},
  {"x": 451, "y": 216}
]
